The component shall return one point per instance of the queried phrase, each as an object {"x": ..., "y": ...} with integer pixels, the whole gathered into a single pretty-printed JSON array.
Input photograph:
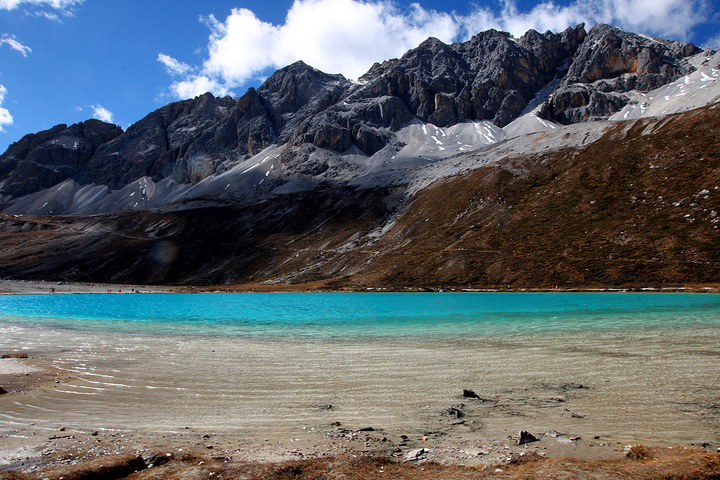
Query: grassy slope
[{"x": 638, "y": 206}]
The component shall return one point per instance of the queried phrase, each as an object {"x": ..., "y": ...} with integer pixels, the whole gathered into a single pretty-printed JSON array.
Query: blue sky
[{"x": 64, "y": 61}]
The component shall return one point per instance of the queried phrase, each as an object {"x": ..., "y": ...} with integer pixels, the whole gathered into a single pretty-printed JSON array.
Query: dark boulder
[
  {"x": 525, "y": 437},
  {"x": 470, "y": 394},
  {"x": 15, "y": 355}
]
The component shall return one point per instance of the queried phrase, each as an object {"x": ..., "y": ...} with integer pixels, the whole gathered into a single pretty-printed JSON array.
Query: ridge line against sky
[{"x": 62, "y": 61}]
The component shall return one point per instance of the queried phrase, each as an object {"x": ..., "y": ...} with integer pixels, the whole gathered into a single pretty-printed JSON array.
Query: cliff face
[
  {"x": 47, "y": 158},
  {"x": 575, "y": 76},
  {"x": 609, "y": 63}
]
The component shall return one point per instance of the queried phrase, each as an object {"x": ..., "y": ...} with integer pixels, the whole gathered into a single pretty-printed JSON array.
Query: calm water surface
[{"x": 362, "y": 315}]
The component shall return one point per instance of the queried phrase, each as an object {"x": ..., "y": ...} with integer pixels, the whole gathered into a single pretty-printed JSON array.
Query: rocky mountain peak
[
  {"x": 291, "y": 88},
  {"x": 610, "y": 52},
  {"x": 490, "y": 77},
  {"x": 609, "y": 63},
  {"x": 47, "y": 158}
]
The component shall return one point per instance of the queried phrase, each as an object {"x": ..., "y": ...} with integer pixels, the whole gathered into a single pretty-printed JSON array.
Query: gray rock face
[
  {"x": 185, "y": 141},
  {"x": 191, "y": 140},
  {"x": 609, "y": 63},
  {"x": 490, "y": 77},
  {"x": 47, "y": 158}
]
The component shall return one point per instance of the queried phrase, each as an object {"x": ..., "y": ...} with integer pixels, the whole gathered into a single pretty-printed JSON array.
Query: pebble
[{"x": 415, "y": 454}]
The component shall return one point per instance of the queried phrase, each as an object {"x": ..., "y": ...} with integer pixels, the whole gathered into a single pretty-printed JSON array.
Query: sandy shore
[
  {"x": 35, "y": 287},
  {"x": 450, "y": 437},
  {"x": 294, "y": 401},
  {"x": 455, "y": 438},
  {"x": 444, "y": 452}
]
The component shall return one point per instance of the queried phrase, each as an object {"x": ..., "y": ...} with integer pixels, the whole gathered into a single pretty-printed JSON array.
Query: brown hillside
[{"x": 641, "y": 205}]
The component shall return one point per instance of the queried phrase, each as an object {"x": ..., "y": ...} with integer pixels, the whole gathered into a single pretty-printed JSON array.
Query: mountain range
[{"x": 573, "y": 158}]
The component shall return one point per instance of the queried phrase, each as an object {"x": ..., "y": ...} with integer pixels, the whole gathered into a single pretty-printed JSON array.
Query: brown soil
[{"x": 639, "y": 463}]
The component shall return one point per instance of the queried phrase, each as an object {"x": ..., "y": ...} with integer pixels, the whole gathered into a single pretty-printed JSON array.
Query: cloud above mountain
[
  {"x": 348, "y": 36},
  {"x": 98, "y": 112},
  {"x": 5, "y": 117},
  {"x": 102, "y": 113}
]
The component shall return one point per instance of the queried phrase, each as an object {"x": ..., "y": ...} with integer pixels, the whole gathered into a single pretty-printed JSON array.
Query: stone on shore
[
  {"x": 415, "y": 454},
  {"x": 470, "y": 394},
  {"x": 15, "y": 355},
  {"x": 525, "y": 437}
]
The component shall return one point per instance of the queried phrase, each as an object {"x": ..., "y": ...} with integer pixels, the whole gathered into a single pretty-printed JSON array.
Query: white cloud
[
  {"x": 348, "y": 36},
  {"x": 55, "y": 4},
  {"x": 173, "y": 66},
  {"x": 5, "y": 117},
  {"x": 666, "y": 18},
  {"x": 12, "y": 42},
  {"x": 195, "y": 85},
  {"x": 337, "y": 36},
  {"x": 102, "y": 113},
  {"x": 713, "y": 42},
  {"x": 50, "y": 9}
]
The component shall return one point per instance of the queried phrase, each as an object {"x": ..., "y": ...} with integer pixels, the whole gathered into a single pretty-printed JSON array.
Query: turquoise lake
[{"x": 362, "y": 315}]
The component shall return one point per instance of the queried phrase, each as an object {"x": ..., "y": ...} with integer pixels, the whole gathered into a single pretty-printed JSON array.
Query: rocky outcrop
[
  {"x": 611, "y": 62},
  {"x": 490, "y": 77},
  {"x": 296, "y": 91},
  {"x": 193, "y": 139},
  {"x": 47, "y": 158},
  {"x": 186, "y": 141}
]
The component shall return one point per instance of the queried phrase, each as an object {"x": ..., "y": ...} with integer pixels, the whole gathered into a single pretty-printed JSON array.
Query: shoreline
[
  {"x": 475, "y": 433},
  {"x": 159, "y": 455},
  {"x": 39, "y": 287},
  {"x": 35, "y": 450}
]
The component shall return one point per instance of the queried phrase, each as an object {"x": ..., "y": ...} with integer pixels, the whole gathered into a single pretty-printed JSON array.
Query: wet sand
[
  {"x": 36, "y": 287},
  {"x": 271, "y": 400}
]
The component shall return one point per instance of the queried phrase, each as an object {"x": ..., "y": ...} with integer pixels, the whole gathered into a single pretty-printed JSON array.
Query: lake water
[
  {"x": 269, "y": 364},
  {"x": 346, "y": 316}
]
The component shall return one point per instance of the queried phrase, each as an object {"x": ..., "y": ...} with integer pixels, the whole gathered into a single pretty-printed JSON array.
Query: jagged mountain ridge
[{"x": 575, "y": 76}]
